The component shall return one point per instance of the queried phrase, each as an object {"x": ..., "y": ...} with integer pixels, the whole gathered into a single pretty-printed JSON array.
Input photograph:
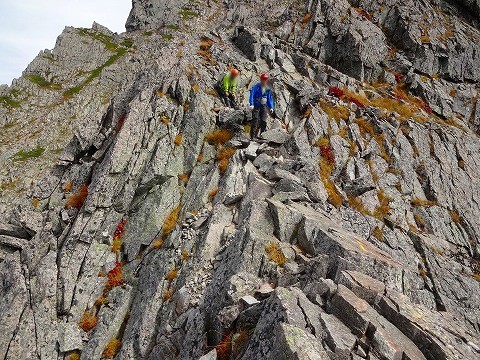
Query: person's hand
[{"x": 251, "y": 107}]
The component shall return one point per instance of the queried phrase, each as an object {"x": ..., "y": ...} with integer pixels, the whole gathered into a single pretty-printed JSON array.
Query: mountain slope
[{"x": 138, "y": 221}]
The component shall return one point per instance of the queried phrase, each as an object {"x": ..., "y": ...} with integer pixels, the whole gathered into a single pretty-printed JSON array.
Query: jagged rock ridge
[{"x": 137, "y": 221}]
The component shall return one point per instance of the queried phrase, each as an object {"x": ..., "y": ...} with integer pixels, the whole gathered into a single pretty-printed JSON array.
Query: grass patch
[
  {"x": 336, "y": 113},
  {"x": 356, "y": 203},
  {"x": 384, "y": 207},
  {"x": 104, "y": 39},
  {"x": 170, "y": 222},
  {"x": 224, "y": 156},
  {"x": 419, "y": 202},
  {"x": 76, "y": 200},
  {"x": 187, "y": 14},
  {"x": 173, "y": 27},
  {"x": 42, "y": 82},
  {"x": 178, "y": 140},
  {"x": 9, "y": 125},
  {"x": 212, "y": 193},
  {"x": 119, "y": 52},
  {"x": 419, "y": 220},
  {"x": 275, "y": 254},
  {"x": 334, "y": 196},
  {"x": 111, "y": 349},
  {"x": 185, "y": 255},
  {"x": 172, "y": 274},
  {"x": 167, "y": 36},
  {"x": 378, "y": 233},
  {"x": 305, "y": 20},
  {"x": 157, "y": 244},
  {"x": 218, "y": 137},
  {"x": 9, "y": 103},
  {"x": 184, "y": 178},
  {"x": 88, "y": 320},
  {"x": 25, "y": 155},
  {"x": 455, "y": 217},
  {"x": 168, "y": 295},
  {"x": 165, "y": 120}
]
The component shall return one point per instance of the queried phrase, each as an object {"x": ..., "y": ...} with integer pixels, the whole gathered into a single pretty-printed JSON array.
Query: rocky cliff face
[{"x": 138, "y": 222}]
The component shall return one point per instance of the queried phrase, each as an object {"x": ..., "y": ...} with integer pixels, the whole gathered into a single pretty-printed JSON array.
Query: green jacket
[{"x": 229, "y": 84}]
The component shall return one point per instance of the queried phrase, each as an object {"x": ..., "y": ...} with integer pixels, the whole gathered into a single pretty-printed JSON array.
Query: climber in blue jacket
[{"x": 261, "y": 99}]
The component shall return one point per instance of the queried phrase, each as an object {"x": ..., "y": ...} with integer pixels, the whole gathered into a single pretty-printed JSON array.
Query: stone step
[{"x": 386, "y": 340}]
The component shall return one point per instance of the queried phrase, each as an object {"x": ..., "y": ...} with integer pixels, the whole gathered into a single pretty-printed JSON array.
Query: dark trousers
[
  {"x": 259, "y": 121},
  {"x": 227, "y": 100}
]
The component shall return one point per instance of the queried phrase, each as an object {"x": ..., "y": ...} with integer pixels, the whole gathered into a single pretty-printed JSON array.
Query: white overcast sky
[{"x": 28, "y": 26}]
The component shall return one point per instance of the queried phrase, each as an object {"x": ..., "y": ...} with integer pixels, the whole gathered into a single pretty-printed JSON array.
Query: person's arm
[{"x": 270, "y": 103}]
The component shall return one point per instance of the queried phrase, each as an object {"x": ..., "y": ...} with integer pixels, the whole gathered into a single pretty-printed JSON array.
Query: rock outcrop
[{"x": 138, "y": 221}]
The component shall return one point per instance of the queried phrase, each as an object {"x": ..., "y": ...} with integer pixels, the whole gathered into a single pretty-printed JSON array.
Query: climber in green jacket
[{"x": 228, "y": 87}]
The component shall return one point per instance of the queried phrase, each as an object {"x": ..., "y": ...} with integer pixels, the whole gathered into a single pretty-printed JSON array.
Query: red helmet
[
  {"x": 264, "y": 76},
  {"x": 234, "y": 72}
]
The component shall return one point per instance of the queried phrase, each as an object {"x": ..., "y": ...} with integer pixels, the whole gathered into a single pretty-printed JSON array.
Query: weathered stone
[
  {"x": 387, "y": 340},
  {"x": 13, "y": 298},
  {"x": 211, "y": 355},
  {"x": 248, "y": 41},
  {"x": 294, "y": 343},
  {"x": 383, "y": 234},
  {"x": 275, "y": 136}
]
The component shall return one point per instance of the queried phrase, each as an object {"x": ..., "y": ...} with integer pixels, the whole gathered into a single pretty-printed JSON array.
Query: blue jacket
[{"x": 256, "y": 96}]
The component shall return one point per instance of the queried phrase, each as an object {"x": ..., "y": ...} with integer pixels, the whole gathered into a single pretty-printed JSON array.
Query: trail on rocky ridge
[{"x": 137, "y": 220}]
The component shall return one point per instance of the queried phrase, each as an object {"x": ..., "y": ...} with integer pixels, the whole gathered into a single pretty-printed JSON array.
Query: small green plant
[
  {"x": 187, "y": 14},
  {"x": 128, "y": 43},
  {"x": 167, "y": 36},
  {"x": 25, "y": 155},
  {"x": 173, "y": 27}
]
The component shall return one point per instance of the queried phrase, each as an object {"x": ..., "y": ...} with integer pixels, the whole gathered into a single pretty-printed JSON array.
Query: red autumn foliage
[
  {"x": 115, "y": 276},
  {"x": 335, "y": 91},
  {"x": 399, "y": 77},
  {"x": 427, "y": 108},
  {"x": 120, "y": 229},
  {"x": 327, "y": 153},
  {"x": 76, "y": 200},
  {"x": 120, "y": 123}
]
